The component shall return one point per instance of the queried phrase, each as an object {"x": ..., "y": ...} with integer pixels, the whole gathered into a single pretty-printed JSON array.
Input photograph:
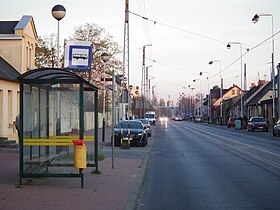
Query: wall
[
  {"x": 20, "y": 54},
  {"x": 9, "y": 108},
  {"x": 11, "y": 51}
]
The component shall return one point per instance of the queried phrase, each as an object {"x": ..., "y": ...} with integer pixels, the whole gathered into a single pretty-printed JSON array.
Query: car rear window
[
  {"x": 258, "y": 119},
  {"x": 145, "y": 121},
  {"x": 130, "y": 124}
]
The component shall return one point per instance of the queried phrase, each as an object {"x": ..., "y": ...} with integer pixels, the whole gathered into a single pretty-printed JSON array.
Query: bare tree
[
  {"x": 101, "y": 42},
  {"x": 45, "y": 52},
  {"x": 162, "y": 102}
]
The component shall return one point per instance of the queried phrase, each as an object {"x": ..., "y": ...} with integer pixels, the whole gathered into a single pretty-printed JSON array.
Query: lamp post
[
  {"x": 255, "y": 20},
  {"x": 191, "y": 102},
  {"x": 221, "y": 90},
  {"x": 104, "y": 58},
  {"x": 113, "y": 115},
  {"x": 208, "y": 101},
  {"x": 146, "y": 87},
  {"x": 58, "y": 12},
  {"x": 200, "y": 97},
  {"x": 149, "y": 89},
  {"x": 241, "y": 80},
  {"x": 143, "y": 80}
]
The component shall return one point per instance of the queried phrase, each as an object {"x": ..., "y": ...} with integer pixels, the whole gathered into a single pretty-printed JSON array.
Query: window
[
  {"x": 1, "y": 110},
  {"x": 10, "y": 106},
  {"x": 232, "y": 92},
  {"x": 29, "y": 63},
  {"x": 26, "y": 58}
]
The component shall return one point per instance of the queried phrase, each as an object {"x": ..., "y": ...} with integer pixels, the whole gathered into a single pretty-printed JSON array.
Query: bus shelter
[{"x": 56, "y": 107}]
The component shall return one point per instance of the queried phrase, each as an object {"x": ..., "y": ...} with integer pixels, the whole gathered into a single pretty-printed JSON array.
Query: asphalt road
[{"x": 200, "y": 166}]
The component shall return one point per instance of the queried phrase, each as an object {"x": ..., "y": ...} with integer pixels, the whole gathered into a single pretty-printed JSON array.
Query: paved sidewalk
[{"x": 110, "y": 190}]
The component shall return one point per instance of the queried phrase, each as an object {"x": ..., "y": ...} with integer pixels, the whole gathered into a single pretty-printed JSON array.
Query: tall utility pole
[
  {"x": 143, "y": 80},
  {"x": 125, "y": 58}
]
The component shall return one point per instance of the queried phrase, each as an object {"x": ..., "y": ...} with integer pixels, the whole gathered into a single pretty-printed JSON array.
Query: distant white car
[
  {"x": 151, "y": 116},
  {"x": 198, "y": 119}
]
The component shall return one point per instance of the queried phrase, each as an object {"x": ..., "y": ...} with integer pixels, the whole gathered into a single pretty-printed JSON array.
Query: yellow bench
[{"x": 55, "y": 141}]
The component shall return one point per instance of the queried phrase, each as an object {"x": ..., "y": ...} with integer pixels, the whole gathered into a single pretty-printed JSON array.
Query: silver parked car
[
  {"x": 147, "y": 126},
  {"x": 276, "y": 129}
]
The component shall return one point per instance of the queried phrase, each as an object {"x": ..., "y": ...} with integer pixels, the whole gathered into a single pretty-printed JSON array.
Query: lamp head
[
  {"x": 200, "y": 73},
  {"x": 105, "y": 57},
  {"x": 228, "y": 46},
  {"x": 58, "y": 12},
  {"x": 211, "y": 62},
  {"x": 255, "y": 18}
]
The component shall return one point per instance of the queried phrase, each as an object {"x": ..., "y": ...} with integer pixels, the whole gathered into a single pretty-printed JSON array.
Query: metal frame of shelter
[{"x": 56, "y": 80}]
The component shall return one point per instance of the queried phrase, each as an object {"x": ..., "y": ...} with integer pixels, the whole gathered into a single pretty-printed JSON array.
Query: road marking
[{"x": 238, "y": 147}]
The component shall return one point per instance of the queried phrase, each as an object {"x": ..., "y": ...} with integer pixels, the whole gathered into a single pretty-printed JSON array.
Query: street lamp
[
  {"x": 143, "y": 79},
  {"x": 104, "y": 58},
  {"x": 221, "y": 90},
  {"x": 145, "y": 85},
  {"x": 241, "y": 93},
  {"x": 58, "y": 12},
  {"x": 191, "y": 101},
  {"x": 255, "y": 20},
  {"x": 208, "y": 101},
  {"x": 200, "y": 109}
]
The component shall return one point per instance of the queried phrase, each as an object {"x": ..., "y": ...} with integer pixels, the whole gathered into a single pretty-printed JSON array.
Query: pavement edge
[{"x": 135, "y": 193}]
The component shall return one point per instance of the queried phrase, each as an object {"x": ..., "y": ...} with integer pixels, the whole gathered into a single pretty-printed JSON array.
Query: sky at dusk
[{"x": 185, "y": 35}]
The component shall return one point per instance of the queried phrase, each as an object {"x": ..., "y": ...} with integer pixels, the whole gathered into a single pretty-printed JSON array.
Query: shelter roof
[{"x": 54, "y": 76}]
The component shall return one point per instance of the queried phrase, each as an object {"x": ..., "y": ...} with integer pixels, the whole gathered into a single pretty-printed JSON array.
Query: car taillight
[{"x": 148, "y": 126}]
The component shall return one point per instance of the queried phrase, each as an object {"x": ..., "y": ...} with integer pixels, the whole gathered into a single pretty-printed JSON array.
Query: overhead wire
[
  {"x": 177, "y": 28},
  {"x": 206, "y": 37},
  {"x": 142, "y": 8}
]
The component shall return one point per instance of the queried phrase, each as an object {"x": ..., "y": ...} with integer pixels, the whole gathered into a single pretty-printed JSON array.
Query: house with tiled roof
[
  {"x": 226, "y": 98},
  {"x": 260, "y": 102},
  {"x": 18, "y": 41}
]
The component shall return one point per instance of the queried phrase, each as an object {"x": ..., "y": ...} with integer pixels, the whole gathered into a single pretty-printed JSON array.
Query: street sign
[{"x": 77, "y": 55}]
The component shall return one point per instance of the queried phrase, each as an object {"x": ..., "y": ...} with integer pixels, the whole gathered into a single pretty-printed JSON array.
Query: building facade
[{"x": 18, "y": 41}]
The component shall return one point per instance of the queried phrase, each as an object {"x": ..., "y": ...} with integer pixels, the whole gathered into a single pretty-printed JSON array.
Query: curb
[{"x": 132, "y": 201}]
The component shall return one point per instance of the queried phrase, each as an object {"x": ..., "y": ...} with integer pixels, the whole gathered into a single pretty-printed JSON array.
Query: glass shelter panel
[
  {"x": 51, "y": 121},
  {"x": 89, "y": 124},
  {"x": 57, "y": 106}
]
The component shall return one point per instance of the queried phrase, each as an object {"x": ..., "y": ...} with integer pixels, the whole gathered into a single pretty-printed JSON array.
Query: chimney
[{"x": 261, "y": 82}]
